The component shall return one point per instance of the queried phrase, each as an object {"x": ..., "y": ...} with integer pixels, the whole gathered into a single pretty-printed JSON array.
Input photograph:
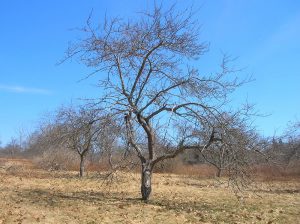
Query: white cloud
[{"x": 22, "y": 89}]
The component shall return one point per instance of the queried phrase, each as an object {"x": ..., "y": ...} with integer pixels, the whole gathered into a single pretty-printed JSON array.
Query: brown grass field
[{"x": 30, "y": 195}]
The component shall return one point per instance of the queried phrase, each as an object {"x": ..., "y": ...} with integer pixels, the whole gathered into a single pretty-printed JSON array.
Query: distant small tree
[
  {"x": 77, "y": 131},
  {"x": 83, "y": 129},
  {"x": 238, "y": 142},
  {"x": 45, "y": 148},
  {"x": 292, "y": 136},
  {"x": 12, "y": 148},
  {"x": 285, "y": 149}
]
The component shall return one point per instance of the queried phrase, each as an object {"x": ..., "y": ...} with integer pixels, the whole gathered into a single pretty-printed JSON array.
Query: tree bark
[
  {"x": 218, "y": 174},
  {"x": 81, "y": 168},
  {"x": 146, "y": 180}
]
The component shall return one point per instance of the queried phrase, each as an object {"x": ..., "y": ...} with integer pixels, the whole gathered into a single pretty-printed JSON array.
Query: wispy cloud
[
  {"x": 22, "y": 89},
  {"x": 286, "y": 36}
]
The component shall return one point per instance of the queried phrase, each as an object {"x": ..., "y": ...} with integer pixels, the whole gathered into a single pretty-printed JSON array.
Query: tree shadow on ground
[
  {"x": 50, "y": 198},
  {"x": 57, "y": 199},
  {"x": 278, "y": 191}
]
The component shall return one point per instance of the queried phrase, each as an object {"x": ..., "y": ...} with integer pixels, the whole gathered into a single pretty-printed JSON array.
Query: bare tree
[
  {"x": 149, "y": 82},
  {"x": 77, "y": 131},
  {"x": 292, "y": 137},
  {"x": 285, "y": 149},
  {"x": 84, "y": 129},
  {"x": 238, "y": 143},
  {"x": 13, "y": 148},
  {"x": 45, "y": 146}
]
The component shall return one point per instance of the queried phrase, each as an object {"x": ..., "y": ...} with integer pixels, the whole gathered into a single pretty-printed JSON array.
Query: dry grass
[{"x": 36, "y": 196}]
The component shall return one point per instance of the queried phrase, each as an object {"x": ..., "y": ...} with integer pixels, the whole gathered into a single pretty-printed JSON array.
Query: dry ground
[{"x": 36, "y": 196}]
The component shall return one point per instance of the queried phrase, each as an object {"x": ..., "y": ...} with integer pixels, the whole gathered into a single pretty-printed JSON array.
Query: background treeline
[{"x": 81, "y": 139}]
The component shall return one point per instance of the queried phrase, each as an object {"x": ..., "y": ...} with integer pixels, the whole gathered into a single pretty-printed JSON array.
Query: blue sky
[{"x": 264, "y": 35}]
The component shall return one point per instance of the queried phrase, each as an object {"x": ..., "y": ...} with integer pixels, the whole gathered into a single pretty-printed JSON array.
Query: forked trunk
[
  {"x": 146, "y": 180},
  {"x": 81, "y": 168}
]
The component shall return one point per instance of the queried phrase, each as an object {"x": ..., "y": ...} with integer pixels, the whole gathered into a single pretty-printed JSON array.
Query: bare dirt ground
[{"x": 34, "y": 196}]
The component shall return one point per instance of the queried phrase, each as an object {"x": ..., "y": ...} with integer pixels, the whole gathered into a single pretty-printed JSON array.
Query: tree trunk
[
  {"x": 218, "y": 174},
  {"x": 81, "y": 168},
  {"x": 146, "y": 180}
]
